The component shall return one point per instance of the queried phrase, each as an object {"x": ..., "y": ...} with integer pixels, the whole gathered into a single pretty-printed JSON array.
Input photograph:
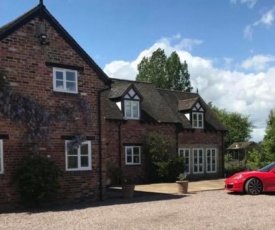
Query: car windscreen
[{"x": 267, "y": 168}]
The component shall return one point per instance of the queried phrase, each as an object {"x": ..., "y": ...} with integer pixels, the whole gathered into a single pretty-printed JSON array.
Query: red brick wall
[
  {"x": 23, "y": 60},
  {"x": 203, "y": 139},
  {"x": 132, "y": 131}
]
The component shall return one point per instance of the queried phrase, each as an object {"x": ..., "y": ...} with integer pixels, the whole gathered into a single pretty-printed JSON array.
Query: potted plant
[
  {"x": 128, "y": 187},
  {"x": 182, "y": 183},
  {"x": 118, "y": 176}
]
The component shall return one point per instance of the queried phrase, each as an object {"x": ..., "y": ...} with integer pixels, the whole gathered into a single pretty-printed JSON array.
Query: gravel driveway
[{"x": 202, "y": 210}]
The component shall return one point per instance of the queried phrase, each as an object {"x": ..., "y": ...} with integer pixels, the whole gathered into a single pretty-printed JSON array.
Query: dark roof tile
[{"x": 186, "y": 104}]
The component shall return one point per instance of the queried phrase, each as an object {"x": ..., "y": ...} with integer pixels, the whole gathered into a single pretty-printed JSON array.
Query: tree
[
  {"x": 268, "y": 144},
  {"x": 162, "y": 162},
  {"x": 163, "y": 72},
  {"x": 239, "y": 127}
]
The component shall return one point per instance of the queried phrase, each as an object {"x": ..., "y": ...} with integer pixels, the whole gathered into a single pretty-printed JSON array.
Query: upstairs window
[
  {"x": 1, "y": 158},
  {"x": 65, "y": 80},
  {"x": 132, "y": 105},
  {"x": 197, "y": 120},
  {"x": 80, "y": 158},
  {"x": 198, "y": 116},
  {"x": 131, "y": 109}
]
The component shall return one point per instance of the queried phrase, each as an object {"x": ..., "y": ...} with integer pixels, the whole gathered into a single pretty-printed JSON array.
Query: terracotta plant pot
[
  {"x": 182, "y": 186},
  {"x": 128, "y": 190}
]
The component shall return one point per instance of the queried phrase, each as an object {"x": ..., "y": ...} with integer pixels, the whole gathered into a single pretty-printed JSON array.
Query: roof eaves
[{"x": 18, "y": 22}]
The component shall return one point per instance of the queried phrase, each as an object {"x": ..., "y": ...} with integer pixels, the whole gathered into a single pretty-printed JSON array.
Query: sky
[{"x": 228, "y": 44}]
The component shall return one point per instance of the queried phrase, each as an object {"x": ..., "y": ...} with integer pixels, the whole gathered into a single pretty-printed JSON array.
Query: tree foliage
[
  {"x": 162, "y": 162},
  {"x": 239, "y": 127},
  {"x": 268, "y": 144},
  {"x": 165, "y": 72}
]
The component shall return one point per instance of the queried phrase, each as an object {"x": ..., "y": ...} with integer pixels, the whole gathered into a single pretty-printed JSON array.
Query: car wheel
[{"x": 253, "y": 186}]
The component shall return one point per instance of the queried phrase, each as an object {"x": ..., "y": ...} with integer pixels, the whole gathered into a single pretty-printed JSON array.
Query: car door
[{"x": 269, "y": 180}]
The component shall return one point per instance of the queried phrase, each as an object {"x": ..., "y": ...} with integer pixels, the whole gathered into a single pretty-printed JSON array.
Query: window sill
[
  {"x": 67, "y": 92},
  {"x": 132, "y": 119},
  {"x": 78, "y": 170}
]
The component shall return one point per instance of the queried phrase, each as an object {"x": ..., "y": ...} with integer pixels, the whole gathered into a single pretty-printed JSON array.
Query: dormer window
[
  {"x": 197, "y": 120},
  {"x": 131, "y": 105},
  {"x": 198, "y": 116}
]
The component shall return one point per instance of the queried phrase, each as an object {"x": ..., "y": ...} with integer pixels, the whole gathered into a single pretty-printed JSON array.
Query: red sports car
[{"x": 253, "y": 182}]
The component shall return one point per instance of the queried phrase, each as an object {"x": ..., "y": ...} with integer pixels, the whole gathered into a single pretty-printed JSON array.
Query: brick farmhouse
[{"x": 41, "y": 61}]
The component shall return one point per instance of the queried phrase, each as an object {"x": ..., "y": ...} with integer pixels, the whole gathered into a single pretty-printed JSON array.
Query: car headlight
[{"x": 238, "y": 177}]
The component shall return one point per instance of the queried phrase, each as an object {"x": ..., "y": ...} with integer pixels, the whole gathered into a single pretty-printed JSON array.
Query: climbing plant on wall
[{"x": 24, "y": 110}]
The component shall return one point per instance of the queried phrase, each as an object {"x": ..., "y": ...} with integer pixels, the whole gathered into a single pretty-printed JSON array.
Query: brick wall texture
[{"x": 23, "y": 61}]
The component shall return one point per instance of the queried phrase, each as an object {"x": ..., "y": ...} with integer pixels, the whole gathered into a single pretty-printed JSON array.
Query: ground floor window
[
  {"x": 211, "y": 161},
  {"x": 132, "y": 155},
  {"x": 1, "y": 158},
  {"x": 79, "y": 158},
  {"x": 199, "y": 160},
  {"x": 185, "y": 153}
]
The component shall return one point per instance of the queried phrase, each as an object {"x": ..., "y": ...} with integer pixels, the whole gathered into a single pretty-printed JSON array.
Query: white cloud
[
  {"x": 258, "y": 62},
  {"x": 268, "y": 17},
  {"x": 188, "y": 43},
  {"x": 249, "y": 94},
  {"x": 121, "y": 70},
  {"x": 249, "y": 3},
  {"x": 266, "y": 20}
]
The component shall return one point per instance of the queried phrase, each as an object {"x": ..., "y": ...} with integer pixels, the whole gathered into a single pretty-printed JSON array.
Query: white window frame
[
  {"x": 196, "y": 122},
  {"x": 64, "y": 71},
  {"x": 185, "y": 153},
  {"x": 198, "y": 164},
  {"x": 132, "y": 155},
  {"x": 1, "y": 158},
  {"x": 78, "y": 155},
  {"x": 211, "y": 163},
  {"x": 132, "y": 104}
]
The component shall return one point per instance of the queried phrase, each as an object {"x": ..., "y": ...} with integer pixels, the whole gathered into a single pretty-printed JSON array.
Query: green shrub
[
  {"x": 36, "y": 179},
  {"x": 233, "y": 167},
  {"x": 168, "y": 171},
  {"x": 255, "y": 159},
  {"x": 162, "y": 163}
]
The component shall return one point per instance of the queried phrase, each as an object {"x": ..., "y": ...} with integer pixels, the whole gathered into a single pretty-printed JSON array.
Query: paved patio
[{"x": 171, "y": 188}]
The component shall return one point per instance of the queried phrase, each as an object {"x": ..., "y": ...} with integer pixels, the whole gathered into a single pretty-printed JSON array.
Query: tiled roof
[
  {"x": 242, "y": 145},
  {"x": 186, "y": 104},
  {"x": 119, "y": 90},
  {"x": 158, "y": 105}
]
